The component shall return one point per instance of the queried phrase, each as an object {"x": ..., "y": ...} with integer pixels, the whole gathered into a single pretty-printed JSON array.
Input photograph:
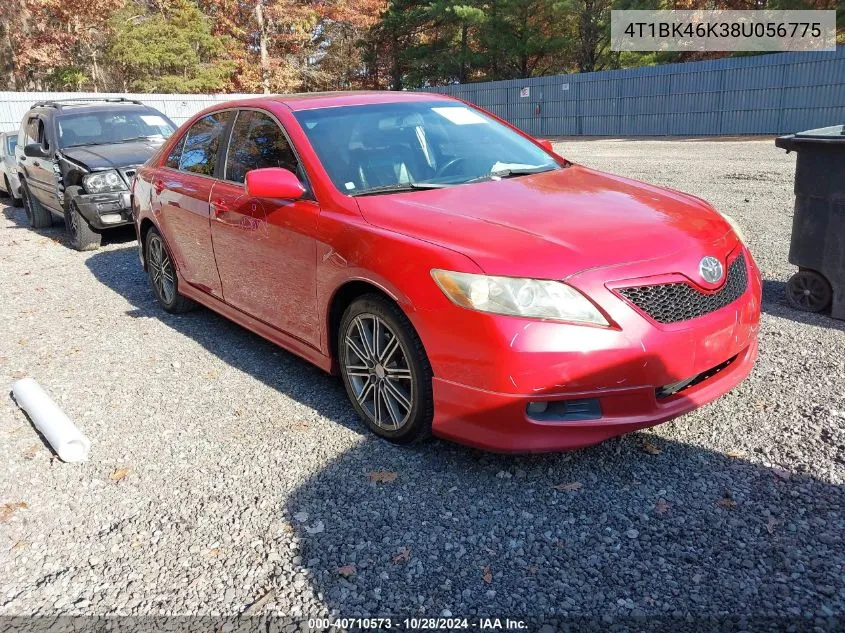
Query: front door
[{"x": 265, "y": 249}]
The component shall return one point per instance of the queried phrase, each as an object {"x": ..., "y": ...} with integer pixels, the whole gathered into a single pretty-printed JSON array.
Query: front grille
[{"x": 680, "y": 301}]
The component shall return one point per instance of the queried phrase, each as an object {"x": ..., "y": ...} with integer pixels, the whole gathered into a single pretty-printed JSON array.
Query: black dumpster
[{"x": 818, "y": 227}]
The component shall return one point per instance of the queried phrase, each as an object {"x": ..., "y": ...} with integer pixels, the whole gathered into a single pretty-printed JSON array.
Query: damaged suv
[{"x": 77, "y": 158}]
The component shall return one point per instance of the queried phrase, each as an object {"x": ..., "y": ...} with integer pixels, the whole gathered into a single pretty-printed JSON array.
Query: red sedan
[{"x": 462, "y": 278}]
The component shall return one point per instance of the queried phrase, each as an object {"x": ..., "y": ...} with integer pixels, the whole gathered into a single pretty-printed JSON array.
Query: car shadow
[
  {"x": 775, "y": 304},
  {"x": 56, "y": 231},
  {"x": 120, "y": 270},
  {"x": 637, "y": 527},
  {"x": 640, "y": 526}
]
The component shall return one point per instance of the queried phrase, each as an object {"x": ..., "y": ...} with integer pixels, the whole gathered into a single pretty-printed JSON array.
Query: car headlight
[
  {"x": 734, "y": 225},
  {"x": 515, "y": 296},
  {"x": 103, "y": 182}
]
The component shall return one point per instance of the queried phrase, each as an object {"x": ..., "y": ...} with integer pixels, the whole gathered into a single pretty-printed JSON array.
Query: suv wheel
[
  {"x": 82, "y": 236},
  {"x": 38, "y": 215},
  {"x": 385, "y": 370},
  {"x": 163, "y": 275}
]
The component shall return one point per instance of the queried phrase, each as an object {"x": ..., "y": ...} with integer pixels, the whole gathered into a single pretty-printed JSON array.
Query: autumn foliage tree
[{"x": 291, "y": 45}]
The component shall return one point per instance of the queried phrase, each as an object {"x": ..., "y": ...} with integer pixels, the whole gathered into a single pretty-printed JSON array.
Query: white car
[{"x": 9, "y": 182}]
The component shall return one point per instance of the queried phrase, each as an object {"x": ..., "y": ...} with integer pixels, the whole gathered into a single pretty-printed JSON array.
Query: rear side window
[
  {"x": 175, "y": 154},
  {"x": 257, "y": 142},
  {"x": 29, "y": 133},
  {"x": 199, "y": 152}
]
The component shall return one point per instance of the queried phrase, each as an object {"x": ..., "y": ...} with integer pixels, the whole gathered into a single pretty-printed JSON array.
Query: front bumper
[
  {"x": 482, "y": 395},
  {"x": 105, "y": 210},
  {"x": 500, "y": 422}
]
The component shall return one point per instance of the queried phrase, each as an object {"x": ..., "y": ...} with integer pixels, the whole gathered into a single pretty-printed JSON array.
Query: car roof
[
  {"x": 73, "y": 108},
  {"x": 312, "y": 100}
]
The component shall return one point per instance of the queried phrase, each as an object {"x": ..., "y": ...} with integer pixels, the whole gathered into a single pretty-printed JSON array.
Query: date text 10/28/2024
[{"x": 418, "y": 623}]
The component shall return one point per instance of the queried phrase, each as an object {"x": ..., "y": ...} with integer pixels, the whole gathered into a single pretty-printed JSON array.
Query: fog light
[
  {"x": 537, "y": 407},
  {"x": 112, "y": 218}
]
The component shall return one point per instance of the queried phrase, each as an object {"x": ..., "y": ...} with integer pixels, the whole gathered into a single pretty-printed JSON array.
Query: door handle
[
  {"x": 219, "y": 207},
  {"x": 158, "y": 185}
]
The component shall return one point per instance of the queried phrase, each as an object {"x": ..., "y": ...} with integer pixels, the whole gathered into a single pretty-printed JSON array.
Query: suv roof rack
[{"x": 60, "y": 103}]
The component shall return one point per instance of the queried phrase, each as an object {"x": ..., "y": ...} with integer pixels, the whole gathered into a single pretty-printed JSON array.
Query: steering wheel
[{"x": 449, "y": 165}]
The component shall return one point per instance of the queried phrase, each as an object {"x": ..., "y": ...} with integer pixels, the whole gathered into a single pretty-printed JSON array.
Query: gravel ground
[{"x": 244, "y": 470}]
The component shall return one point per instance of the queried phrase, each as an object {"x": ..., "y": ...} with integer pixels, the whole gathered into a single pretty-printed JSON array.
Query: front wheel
[
  {"x": 163, "y": 277},
  {"x": 82, "y": 236},
  {"x": 385, "y": 370}
]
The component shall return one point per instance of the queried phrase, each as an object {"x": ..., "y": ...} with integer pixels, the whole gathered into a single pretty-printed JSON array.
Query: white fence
[{"x": 13, "y": 105}]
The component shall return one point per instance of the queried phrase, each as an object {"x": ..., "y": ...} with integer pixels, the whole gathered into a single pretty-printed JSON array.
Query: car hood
[
  {"x": 554, "y": 224},
  {"x": 110, "y": 155}
]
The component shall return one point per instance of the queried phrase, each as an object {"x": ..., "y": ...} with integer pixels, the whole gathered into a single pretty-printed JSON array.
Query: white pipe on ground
[{"x": 67, "y": 440}]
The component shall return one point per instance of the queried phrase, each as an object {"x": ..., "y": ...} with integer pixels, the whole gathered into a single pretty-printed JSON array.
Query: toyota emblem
[{"x": 711, "y": 269}]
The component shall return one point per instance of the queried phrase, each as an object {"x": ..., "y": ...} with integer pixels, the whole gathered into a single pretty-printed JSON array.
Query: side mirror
[
  {"x": 546, "y": 144},
  {"x": 273, "y": 182},
  {"x": 35, "y": 150}
]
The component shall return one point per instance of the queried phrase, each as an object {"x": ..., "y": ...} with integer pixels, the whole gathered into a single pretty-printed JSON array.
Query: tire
[
  {"x": 808, "y": 291},
  {"x": 385, "y": 370},
  {"x": 7, "y": 188},
  {"x": 161, "y": 271},
  {"x": 38, "y": 215},
  {"x": 82, "y": 236}
]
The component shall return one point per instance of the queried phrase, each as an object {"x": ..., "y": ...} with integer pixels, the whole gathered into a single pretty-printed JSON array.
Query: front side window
[
  {"x": 97, "y": 128},
  {"x": 199, "y": 154},
  {"x": 11, "y": 143},
  {"x": 42, "y": 135},
  {"x": 257, "y": 142},
  {"x": 416, "y": 144}
]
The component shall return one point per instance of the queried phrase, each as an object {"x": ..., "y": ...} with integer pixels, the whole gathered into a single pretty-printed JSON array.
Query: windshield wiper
[
  {"x": 401, "y": 186},
  {"x": 501, "y": 174},
  {"x": 147, "y": 137},
  {"x": 81, "y": 144}
]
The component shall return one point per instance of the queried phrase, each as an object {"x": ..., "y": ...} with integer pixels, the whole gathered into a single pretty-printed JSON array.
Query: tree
[{"x": 170, "y": 50}]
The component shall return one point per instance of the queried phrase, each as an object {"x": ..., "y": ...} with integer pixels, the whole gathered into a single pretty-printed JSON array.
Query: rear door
[
  {"x": 183, "y": 188},
  {"x": 265, "y": 248},
  {"x": 40, "y": 176}
]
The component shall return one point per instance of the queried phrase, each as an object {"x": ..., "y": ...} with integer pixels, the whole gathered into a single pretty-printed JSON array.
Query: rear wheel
[
  {"x": 82, "y": 236},
  {"x": 385, "y": 370},
  {"x": 38, "y": 215},
  {"x": 163, "y": 275},
  {"x": 809, "y": 291}
]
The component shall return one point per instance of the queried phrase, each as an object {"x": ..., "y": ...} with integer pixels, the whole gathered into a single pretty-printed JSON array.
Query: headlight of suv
[
  {"x": 515, "y": 296},
  {"x": 103, "y": 182}
]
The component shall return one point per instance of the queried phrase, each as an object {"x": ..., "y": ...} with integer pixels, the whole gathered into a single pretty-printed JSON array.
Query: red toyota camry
[{"x": 462, "y": 278}]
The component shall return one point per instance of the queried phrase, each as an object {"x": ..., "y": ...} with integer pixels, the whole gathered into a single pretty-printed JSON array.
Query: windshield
[
  {"x": 416, "y": 145},
  {"x": 97, "y": 128}
]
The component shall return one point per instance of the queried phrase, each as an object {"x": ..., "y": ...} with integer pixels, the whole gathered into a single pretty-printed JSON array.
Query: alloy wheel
[
  {"x": 161, "y": 270},
  {"x": 376, "y": 365}
]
